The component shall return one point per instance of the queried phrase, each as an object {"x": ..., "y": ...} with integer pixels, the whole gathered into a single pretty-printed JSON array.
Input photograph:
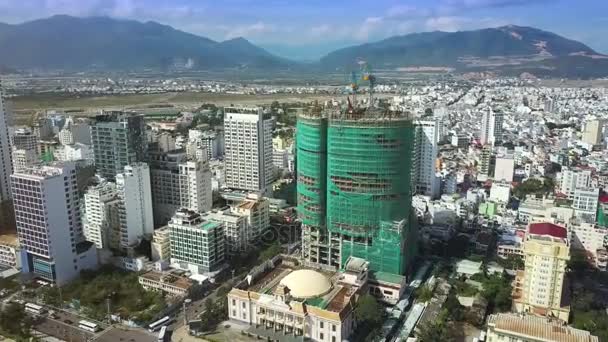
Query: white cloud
[
  {"x": 448, "y": 24},
  {"x": 369, "y": 26},
  {"x": 252, "y": 30}
]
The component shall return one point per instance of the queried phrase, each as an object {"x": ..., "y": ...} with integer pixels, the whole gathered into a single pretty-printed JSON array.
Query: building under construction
[{"x": 354, "y": 186}]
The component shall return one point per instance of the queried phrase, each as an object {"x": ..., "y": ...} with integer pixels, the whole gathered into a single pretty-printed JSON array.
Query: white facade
[
  {"x": 505, "y": 168},
  {"x": 235, "y": 229},
  {"x": 10, "y": 253},
  {"x": 570, "y": 180},
  {"x": 587, "y": 236},
  {"x": 75, "y": 152},
  {"x": 161, "y": 244},
  {"x": 427, "y": 138},
  {"x": 6, "y": 165},
  {"x": 491, "y": 127},
  {"x": 585, "y": 203},
  {"x": 500, "y": 192},
  {"x": 24, "y": 159},
  {"x": 47, "y": 213},
  {"x": 248, "y": 139},
  {"x": 136, "y": 218},
  {"x": 75, "y": 132},
  {"x": 593, "y": 134},
  {"x": 101, "y": 222}
]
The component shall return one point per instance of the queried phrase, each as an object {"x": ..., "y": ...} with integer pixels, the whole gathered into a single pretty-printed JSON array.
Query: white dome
[{"x": 306, "y": 284}]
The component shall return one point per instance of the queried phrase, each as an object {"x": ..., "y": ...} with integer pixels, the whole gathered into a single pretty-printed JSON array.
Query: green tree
[
  {"x": 270, "y": 252},
  {"x": 369, "y": 315},
  {"x": 424, "y": 293},
  {"x": 436, "y": 331}
]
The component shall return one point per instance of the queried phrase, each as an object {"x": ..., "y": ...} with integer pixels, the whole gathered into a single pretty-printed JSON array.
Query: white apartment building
[
  {"x": 179, "y": 182},
  {"x": 101, "y": 222},
  {"x": 24, "y": 159},
  {"x": 571, "y": 179},
  {"x": 136, "y": 218},
  {"x": 491, "y": 127},
  {"x": 6, "y": 165},
  {"x": 588, "y": 237},
  {"x": 593, "y": 134},
  {"x": 585, "y": 203},
  {"x": 504, "y": 168},
  {"x": 426, "y": 140},
  {"x": 248, "y": 139},
  {"x": 236, "y": 229},
  {"x": 75, "y": 131},
  {"x": 209, "y": 142},
  {"x": 500, "y": 192},
  {"x": 75, "y": 152},
  {"x": 24, "y": 139},
  {"x": 47, "y": 213}
]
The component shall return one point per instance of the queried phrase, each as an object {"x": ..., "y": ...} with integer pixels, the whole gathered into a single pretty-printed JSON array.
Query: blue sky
[{"x": 306, "y": 29}]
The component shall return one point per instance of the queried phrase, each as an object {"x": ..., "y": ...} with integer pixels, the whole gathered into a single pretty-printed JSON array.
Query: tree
[
  {"x": 435, "y": 331},
  {"x": 369, "y": 315},
  {"x": 424, "y": 293},
  {"x": 270, "y": 252},
  {"x": 15, "y": 321}
]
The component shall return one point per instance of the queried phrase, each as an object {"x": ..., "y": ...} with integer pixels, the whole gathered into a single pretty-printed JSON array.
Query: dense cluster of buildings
[{"x": 505, "y": 164}]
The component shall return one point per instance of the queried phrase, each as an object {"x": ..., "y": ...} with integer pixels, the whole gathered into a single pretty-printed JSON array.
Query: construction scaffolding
[{"x": 354, "y": 187}]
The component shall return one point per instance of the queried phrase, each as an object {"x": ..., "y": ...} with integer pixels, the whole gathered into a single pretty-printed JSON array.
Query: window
[
  {"x": 321, "y": 325},
  {"x": 321, "y": 337},
  {"x": 333, "y": 327}
]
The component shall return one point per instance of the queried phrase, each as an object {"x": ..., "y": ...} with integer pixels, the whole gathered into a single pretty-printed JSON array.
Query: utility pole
[
  {"x": 108, "y": 300},
  {"x": 186, "y": 302}
]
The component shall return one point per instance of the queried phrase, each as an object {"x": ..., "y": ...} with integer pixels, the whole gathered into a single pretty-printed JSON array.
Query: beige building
[
  {"x": 9, "y": 251},
  {"x": 539, "y": 288},
  {"x": 257, "y": 212},
  {"x": 283, "y": 300},
  {"x": 166, "y": 282},
  {"x": 161, "y": 244},
  {"x": 508, "y": 327},
  {"x": 593, "y": 132},
  {"x": 544, "y": 210}
]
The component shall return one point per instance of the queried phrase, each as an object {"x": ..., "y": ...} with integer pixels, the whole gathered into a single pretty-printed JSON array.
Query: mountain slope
[
  {"x": 64, "y": 42},
  {"x": 454, "y": 49}
]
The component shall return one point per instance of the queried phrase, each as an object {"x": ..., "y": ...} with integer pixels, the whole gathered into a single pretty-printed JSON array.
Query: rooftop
[
  {"x": 538, "y": 327},
  {"x": 548, "y": 229},
  {"x": 168, "y": 278}
]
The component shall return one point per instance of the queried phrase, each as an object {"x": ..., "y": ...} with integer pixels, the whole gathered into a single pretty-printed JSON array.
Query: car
[{"x": 67, "y": 321}]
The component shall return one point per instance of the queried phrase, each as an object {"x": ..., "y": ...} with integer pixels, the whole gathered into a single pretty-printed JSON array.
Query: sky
[{"x": 308, "y": 29}]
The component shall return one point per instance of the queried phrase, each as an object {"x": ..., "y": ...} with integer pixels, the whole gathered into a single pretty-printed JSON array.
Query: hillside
[
  {"x": 64, "y": 42},
  {"x": 486, "y": 48}
]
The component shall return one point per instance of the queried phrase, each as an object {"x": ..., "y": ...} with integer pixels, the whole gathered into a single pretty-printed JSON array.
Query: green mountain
[
  {"x": 506, "y": 45},
  {"x": 64, "y": 42}
]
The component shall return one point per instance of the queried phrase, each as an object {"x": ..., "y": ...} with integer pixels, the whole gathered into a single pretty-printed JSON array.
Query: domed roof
[{"x": 306, "y": 284}]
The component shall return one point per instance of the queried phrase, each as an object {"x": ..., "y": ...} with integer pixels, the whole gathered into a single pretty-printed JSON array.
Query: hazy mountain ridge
[
  {"x": 78, "y": 44},
  {"x": 64, "y": 42},
  {"x": 460, "y": 49}
]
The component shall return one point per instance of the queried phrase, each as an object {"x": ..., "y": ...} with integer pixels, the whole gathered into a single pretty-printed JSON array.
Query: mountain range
[{"x": 76, "y": 44}]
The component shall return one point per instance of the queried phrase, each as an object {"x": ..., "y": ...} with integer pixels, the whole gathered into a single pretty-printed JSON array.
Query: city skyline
[{"x": 308, "y": 31}]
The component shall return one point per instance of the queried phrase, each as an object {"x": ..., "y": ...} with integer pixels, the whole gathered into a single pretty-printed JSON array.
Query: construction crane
[{"x": 368, "y": 76}]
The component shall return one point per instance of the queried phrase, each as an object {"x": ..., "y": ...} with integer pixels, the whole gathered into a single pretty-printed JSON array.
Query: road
[{"x": 64, "y": 327}]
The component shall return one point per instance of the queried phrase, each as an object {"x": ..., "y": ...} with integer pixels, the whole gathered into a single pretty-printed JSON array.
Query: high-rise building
[
  {"x": 24, "y": 159},
  {"x": 485, "y": 163},
  {"x": 119, "y": 139},
  {"x": 248, "y": 139},
  {"x": 196, "y": 245},
  {"x": 6, "y": 165},
  {"x": 47, "y": 213},
  {"x": 179, "y": 182},
  {"x": 491, "y": 127},
  {"x": 136, "y": 218},
  {"x": 161, "y": 244},
  {"x": 425, "y": 156},
  {"x": 539, "y": 289},
  {"x": 593, "y": 134},
  {"x": 354, "y": 187},
  {"x": 101, "y": 222}
]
